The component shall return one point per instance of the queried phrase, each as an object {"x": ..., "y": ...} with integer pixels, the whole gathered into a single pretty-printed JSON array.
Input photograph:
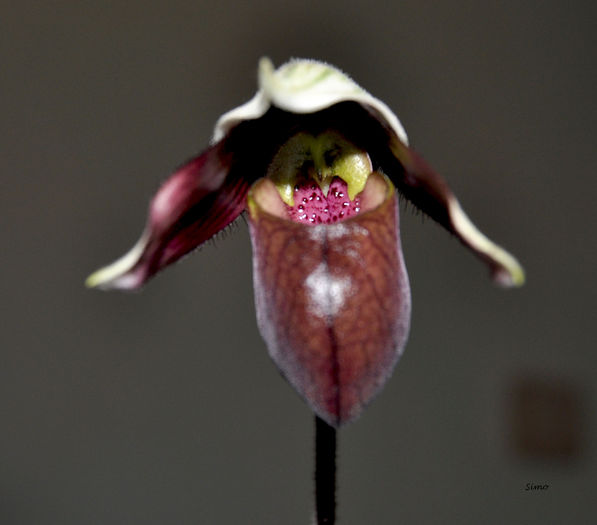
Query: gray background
[{"x": 163, "y": 406}]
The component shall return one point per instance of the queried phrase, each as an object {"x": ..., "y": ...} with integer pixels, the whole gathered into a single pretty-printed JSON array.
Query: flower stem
[{"x": 325, "y": 472}]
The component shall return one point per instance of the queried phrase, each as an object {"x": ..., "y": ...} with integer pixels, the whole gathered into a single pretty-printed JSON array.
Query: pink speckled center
[{"x": 311, "y": 206}]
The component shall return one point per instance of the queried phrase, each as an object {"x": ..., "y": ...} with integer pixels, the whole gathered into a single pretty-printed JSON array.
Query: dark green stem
[{"x": 325, "y": 472}]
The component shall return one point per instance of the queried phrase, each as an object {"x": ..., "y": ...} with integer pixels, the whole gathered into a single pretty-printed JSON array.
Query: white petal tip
[
  {"x": 510, "y": 276},
  {"x": 108, "y": 278},
  {"x": 507, "y": 271},
  {"x": 266, "y": 68},
  {"x": 119, "y": 274},
  {"x": 94, "y": 280}
]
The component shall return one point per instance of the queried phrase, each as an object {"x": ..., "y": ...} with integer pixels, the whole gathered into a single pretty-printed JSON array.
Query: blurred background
[{"x": 163, "y": 406}]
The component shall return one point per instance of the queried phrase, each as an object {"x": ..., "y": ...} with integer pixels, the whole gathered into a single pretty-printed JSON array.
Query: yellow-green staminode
[{"x": 320, "y": 158}]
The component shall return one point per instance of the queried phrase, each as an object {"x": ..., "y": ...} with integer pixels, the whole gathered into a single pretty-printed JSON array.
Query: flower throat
[{"x": 319, "y": 178}]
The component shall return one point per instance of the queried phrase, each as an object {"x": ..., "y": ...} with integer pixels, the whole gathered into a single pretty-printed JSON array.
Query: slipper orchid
[{"x": 316, "y": 161}]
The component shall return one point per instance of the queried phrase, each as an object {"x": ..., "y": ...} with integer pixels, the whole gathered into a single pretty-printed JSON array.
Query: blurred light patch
[{"x": 545, "y": 417}]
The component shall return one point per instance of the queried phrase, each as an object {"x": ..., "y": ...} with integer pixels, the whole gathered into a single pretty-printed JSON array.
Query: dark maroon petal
[
  {"x": 195, "y": 202},
  {"x": 332, "y": 301},
  {"x": 429, "y": 192},
  {"x": 198, "y": 200}
]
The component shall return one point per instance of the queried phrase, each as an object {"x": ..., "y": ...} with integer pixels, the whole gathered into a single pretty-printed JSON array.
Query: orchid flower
[{"x": 315, "y": 161}]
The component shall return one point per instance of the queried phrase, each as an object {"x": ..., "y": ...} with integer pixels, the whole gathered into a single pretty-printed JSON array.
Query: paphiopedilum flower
[{"x": 315, "y": 161}]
